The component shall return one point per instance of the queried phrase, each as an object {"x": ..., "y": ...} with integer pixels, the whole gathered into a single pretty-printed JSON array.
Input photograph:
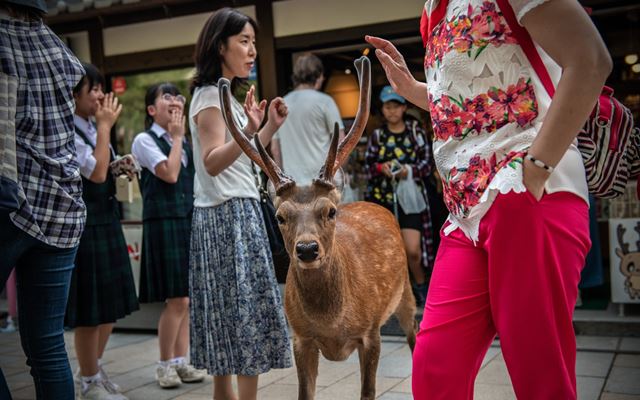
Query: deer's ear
[{"x": 338, "y": 180}]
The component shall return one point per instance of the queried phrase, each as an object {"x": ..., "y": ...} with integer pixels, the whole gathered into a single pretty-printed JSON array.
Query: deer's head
[
  {"x": 306, "y": 215},
  {"x": 629, "y": 261}
]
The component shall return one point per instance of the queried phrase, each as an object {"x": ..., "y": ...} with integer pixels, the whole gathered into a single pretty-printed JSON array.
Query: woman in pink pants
[{"x": 514, "y": 182}]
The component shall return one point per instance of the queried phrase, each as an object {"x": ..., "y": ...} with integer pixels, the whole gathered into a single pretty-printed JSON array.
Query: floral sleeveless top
[{"x": 487, "y": 106}]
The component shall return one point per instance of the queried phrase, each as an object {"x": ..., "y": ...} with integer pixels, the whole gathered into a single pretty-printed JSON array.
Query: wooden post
[{"x": 267, "y": 76}]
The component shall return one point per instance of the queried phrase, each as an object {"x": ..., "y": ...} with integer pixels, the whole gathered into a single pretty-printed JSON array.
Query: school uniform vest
[
  {"x": 100, "y": 198},
  {"x": 166, "y": 200}
]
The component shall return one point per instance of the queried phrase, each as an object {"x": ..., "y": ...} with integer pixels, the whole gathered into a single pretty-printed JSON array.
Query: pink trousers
[{"x": 520, "y": 281}]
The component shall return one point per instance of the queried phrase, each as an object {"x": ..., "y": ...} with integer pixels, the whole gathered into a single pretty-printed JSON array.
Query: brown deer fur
[{"x": 338, "y": 295}]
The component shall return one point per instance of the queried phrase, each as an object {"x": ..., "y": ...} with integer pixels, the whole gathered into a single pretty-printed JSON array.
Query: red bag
[{"x": 608, "y": 142}]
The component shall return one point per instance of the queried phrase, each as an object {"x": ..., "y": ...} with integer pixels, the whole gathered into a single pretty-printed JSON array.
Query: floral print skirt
[{"x": 237, "y": 319}]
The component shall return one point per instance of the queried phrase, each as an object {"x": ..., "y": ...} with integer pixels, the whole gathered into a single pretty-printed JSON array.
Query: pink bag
[{"x": 608, "y": 142}]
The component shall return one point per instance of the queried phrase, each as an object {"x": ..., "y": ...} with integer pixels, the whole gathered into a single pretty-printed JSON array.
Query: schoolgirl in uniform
[
  {"x": 166, "y": 184},
  {"x": 102, "y": 287}
]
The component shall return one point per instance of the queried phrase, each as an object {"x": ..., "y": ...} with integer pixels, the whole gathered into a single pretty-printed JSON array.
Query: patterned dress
[{"x": 409, "y": 147}]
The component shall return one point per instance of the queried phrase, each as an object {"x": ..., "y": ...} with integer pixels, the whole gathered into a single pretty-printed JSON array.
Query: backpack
[{"x": 608, "y": 142}]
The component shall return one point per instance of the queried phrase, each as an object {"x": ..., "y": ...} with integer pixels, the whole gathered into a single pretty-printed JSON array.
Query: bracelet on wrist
[{"x": 539, "y": 163}]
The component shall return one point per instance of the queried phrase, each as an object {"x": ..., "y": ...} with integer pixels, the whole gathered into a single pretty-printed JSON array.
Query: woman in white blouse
[
  {"x": 516, "y": 238},
  {"x": 237, "y": 318}
]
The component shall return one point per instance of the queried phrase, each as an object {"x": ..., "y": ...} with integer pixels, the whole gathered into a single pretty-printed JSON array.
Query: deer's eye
[
  {"x": 281, "y": 220},
  {"x": 332, "y": 213}
]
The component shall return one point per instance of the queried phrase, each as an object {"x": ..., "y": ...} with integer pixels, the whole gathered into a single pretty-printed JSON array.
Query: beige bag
[{"x": 9, "y": 189}]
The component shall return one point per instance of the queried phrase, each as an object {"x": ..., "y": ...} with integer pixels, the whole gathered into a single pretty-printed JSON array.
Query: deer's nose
[{"x": 307, "y": 251}]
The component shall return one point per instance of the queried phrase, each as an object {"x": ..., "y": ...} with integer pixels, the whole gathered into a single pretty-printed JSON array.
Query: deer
[
  {"x": 629, "y": 262},
  {"x": 348, "y": 271}
]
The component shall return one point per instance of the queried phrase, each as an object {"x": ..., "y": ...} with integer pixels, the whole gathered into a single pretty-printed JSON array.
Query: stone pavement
[{"x": 608, "y": 368}]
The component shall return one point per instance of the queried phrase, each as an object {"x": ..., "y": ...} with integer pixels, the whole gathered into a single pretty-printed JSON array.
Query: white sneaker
[
  {"x": 97, "y": 391},
  {"x": 167, "y": 377},
  {"x": 190, "y": 374},
  {"x": 10, "y": 327},
  {"x": 111, "y": 386},
  {"x": 108, "y": 384}
]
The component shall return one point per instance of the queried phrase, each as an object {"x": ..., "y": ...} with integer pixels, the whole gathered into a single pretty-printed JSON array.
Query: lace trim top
[{"x": 487, "y": 106}]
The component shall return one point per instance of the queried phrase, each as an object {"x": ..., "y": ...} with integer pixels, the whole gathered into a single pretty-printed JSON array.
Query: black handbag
[{"x": 276, "y": 242}]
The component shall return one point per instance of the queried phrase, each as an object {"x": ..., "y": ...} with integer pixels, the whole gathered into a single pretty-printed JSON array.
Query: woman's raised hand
[
  {"x": 393, "y": 64},
  {"x": 254, "y": 111},
  {"x": 278, "y": 112},
  {"x": 176, "y": 127},
  {"x": 108, "y": 112}
]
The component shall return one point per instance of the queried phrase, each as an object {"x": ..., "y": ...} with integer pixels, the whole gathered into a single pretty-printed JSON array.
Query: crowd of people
[{"x": 510, "y": 253}]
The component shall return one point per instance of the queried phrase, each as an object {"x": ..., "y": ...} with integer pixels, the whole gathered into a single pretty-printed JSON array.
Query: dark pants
[{"x": 43, "y": 274}]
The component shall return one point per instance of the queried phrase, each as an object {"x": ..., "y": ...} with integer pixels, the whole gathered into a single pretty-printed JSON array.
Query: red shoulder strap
[
  {"x": 424, "y": 27},
  {"x": 526, "y": 43},
  {"x": 428, "y": 22}
]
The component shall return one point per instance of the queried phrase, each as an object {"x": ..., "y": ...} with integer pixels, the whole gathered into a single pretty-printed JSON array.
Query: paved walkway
[{"x": 608, "y": 368}]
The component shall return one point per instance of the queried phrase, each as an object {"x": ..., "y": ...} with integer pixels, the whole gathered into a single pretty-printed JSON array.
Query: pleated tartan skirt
[
  {"x": 164, "y": 263},
  {"x": 102, "y": 287},
  {"x": 237, "y": 318}
]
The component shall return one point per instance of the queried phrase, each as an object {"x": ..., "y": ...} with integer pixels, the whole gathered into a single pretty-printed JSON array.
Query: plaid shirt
[{"x": 51, "y": 208}]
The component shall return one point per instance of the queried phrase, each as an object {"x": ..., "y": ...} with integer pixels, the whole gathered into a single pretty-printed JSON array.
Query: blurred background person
[
  {"x": 398, "y": 159},
  {"x": 301, "y": 144}
]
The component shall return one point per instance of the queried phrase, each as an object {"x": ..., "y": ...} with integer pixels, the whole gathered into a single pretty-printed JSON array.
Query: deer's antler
[
  {"x": 624, "y": 247},
  {"x": 363, "y": 67},
  {"x": 280, "y": 180},
  {"x": 326, "y": 173}
]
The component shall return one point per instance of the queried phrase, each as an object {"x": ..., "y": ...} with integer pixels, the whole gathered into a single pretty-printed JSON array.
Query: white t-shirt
[
  {"x": 84, "y": 152},
  {"x": 305, "y": 135},
  {"x": 237, "y": 180},
  {"x": 146, "y": 150}
]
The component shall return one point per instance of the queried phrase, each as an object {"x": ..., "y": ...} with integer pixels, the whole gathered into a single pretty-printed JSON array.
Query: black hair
[
  {"x": 91, "y": 76},
  {"x": 219, "y": 27},
  {"x": 152, "y": 94},
  {"x": 307, "y": 70}
]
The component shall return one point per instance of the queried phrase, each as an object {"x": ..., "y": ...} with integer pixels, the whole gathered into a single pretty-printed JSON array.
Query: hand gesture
[
  {"x": 176, "y": 125},
  {"x": 254, "y": 111},
  {"x": 108, "y": 112},
  {"x": 393, "y": 64},
  {"x": 403, "y": 173},
  {"x": 278, "y": 112},
  {"x": 386, "y": 170}
]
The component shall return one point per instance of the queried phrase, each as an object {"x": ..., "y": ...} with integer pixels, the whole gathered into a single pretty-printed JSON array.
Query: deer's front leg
[
  {"x": 369, "y": 354},
  {"x": 306, "y": 354}
]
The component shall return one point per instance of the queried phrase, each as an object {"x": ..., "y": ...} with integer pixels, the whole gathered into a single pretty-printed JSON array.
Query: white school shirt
[
  {"x": 84, "y": 152},
  {"x": 146, "y": 150}
]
